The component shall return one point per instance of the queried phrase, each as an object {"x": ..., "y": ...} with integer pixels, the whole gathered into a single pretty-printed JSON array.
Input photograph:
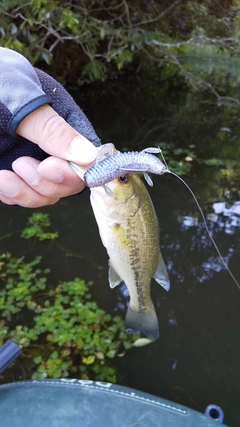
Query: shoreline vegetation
[{"x": 106, "y": 40}]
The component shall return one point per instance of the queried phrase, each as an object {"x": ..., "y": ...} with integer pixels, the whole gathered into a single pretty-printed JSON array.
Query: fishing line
[{"x": 204, "y": 221}]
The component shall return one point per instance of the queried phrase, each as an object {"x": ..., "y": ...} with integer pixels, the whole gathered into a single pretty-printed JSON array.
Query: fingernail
[
  {"x": 8, "y": 187},
  {"x": 82, "y": 151},
  {"x": 27, "y": 172}
]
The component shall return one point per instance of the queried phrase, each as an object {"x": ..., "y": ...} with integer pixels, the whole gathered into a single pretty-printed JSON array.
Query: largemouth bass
[{"x": 129, "y": 230}]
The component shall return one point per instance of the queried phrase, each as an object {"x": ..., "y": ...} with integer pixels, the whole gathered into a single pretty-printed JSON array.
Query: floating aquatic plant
[{"x": 61, "y": 331}]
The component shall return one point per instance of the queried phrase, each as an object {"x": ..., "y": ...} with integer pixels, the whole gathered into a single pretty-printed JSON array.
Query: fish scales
[
  {"x": 121, "y": 163},
  {"x": 130, "y": 264}
]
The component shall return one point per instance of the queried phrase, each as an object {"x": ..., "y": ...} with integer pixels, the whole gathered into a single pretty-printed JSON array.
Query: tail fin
[{"x": 142, "y": 322}]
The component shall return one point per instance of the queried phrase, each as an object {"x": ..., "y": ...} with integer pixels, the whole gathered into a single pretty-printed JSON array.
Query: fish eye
[{"x": 123, "y": 179}]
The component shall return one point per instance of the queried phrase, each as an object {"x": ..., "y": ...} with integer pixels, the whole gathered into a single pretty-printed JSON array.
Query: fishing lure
[{"x": 119, "y": 164}]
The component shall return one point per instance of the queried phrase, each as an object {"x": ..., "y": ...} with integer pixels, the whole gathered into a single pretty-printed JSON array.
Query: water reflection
[
  {"x": 224, "y": 219},
  {"x": 228, "y": 219},
  {"x": 187, "y": 221}
]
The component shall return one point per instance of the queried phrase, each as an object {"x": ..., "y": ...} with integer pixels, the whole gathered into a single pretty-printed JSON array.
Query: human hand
[{"x": 34, "y": 183}]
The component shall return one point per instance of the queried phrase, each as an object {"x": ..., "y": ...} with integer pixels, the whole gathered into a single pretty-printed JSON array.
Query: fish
[{"x": 129, "y": 230}]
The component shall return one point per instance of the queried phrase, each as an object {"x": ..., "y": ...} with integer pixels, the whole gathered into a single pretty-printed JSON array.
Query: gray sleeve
[
  {"x": 20, "y": 89},
  {"x": 23, "y": 89}
]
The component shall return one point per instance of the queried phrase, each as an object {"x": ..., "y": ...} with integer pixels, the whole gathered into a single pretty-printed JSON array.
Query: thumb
[{"x": 56, "y": 137}]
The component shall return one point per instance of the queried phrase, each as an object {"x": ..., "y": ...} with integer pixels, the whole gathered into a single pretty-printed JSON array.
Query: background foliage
[{"x": 78, "y": 41}]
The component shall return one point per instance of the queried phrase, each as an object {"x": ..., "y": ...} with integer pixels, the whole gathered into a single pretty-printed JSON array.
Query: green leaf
[
  {"x": 37, "y": 223},
  {"x": 37, "y": 359},
  {"x": 89, "y": 360}
]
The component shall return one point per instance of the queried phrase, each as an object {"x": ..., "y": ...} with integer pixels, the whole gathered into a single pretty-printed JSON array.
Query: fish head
[{"x": 119, "y": 198}]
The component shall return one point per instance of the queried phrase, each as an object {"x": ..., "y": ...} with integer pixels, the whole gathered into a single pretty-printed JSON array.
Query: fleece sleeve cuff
[{"x": 25, "y": 110}]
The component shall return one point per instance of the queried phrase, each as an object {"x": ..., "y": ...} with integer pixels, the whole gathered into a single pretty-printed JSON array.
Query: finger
[
  {"x": 27, "y": 169},
  {"x": 14, "y": 191},
  {"x": 56, "y": 137},
  {"x": 58, "y": 170},
  {"x": 6, "y": 200}
]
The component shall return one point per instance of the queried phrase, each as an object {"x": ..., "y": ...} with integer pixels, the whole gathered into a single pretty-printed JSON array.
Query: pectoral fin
[
  {"x": 161, "y": 274},
  {"x": 113, "y": 277}
]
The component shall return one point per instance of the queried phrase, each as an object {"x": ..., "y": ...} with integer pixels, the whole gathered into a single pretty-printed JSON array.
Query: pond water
[{"x": 196, "y": 360}]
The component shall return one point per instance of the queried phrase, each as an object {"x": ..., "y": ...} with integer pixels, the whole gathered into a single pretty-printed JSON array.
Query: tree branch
[
  {"x": 165, "y": 12},
  {"x": 198, "y": 41}
]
